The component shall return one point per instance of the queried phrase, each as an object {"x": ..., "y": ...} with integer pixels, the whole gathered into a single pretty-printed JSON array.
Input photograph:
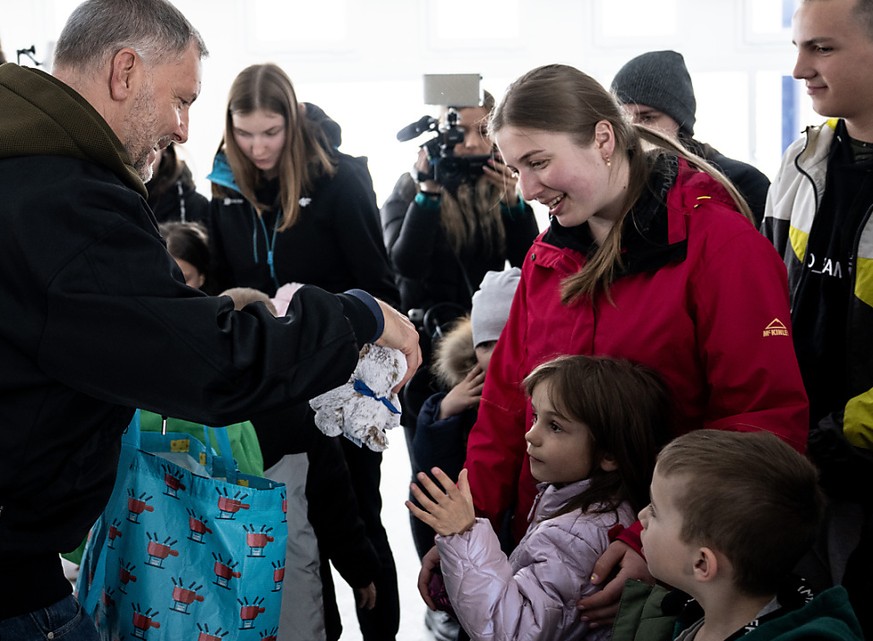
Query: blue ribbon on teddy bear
[{"x": 364, "y": 390}]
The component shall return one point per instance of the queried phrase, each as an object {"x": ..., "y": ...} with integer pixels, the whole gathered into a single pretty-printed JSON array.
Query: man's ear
[
  {"x": 125, "y": 64},
  {"x": 706, "y": 565}
]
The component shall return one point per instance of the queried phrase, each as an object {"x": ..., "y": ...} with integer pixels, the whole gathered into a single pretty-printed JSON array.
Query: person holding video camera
[
  {"x": 454, "y": 217},
  {"x": 445, "y": 229}
]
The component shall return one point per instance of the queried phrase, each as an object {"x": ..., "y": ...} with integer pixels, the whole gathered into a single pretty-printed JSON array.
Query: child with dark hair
[
  {"x": 731, "y": 514},
  {"x": 188, "y": 244},
  {"x": 597, "y": 425}
]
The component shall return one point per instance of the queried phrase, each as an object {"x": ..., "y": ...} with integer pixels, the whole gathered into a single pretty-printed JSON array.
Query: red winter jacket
[{"x": 703, "y": 300}]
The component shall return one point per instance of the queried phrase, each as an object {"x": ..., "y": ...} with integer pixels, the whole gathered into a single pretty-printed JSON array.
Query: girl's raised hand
[{"x": 450, "y": 511}]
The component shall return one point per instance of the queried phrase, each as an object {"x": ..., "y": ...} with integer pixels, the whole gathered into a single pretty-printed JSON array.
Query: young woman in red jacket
[{"x": 650, "y": 256}]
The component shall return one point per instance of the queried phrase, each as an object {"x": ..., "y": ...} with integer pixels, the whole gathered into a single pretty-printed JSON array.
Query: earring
[{"x": 608, "y": 161}]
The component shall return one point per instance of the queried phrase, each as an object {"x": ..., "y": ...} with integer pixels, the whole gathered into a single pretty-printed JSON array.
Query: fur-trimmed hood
[{"x": 454, "y": 356}]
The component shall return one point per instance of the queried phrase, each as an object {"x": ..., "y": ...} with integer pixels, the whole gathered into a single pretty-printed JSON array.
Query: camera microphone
[{"x": 415, "y": 129}]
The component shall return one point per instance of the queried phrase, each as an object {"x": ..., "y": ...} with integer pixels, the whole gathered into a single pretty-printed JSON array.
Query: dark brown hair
[
  {"x": 628, "y": 410},
  {"x": 188, "y": 242},
  {"x": 748, "y": 495},
  {"x": 862, "y": 11}
]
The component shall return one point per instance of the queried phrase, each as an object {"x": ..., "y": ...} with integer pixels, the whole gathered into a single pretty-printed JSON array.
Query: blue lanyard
[{"x": 270, "y": 241}]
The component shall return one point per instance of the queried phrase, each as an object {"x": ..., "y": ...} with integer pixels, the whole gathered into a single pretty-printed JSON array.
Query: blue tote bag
[{"x": 187, "y": 547}]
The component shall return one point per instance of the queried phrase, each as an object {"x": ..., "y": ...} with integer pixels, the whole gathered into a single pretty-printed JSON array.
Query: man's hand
[
  {"x": 401, "y": 334},
  {"x": 451, "y": 510},
  {"x": 600, "y": 608},
  {"x": 366, "y": 597},
  {"x": 429, "y": 563}
]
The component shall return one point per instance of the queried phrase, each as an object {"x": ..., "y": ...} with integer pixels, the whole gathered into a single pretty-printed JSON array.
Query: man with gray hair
[{"x": 96, "y": 317}]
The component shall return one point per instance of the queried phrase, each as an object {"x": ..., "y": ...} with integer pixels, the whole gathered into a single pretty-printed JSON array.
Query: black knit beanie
[{"x": 660, "y": 80}]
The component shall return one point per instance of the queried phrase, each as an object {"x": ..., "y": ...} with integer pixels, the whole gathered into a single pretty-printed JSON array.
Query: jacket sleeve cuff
[
  {"x": 631, "y": 536},
  {"x": 428, "y": 201},
  {"x": 364, "y": 313}
]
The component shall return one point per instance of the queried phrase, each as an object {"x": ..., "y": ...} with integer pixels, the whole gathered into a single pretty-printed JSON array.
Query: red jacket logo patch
[{"x": 775, "y": 328}]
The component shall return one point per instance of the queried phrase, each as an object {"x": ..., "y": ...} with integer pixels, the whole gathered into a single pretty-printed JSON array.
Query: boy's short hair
[
  {"x": 862, "y": 12},
  {"x": 748, "y": 495}
]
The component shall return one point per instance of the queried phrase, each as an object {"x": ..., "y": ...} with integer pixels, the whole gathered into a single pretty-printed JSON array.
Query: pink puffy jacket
[{"x": 532, "y": 594}]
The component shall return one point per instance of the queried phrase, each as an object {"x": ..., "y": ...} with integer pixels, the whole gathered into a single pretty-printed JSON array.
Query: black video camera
[{"x": 444, "y": 167}]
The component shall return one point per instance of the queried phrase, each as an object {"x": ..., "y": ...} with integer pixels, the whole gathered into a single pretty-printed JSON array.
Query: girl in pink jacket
[{"x": 596, "y": 429}]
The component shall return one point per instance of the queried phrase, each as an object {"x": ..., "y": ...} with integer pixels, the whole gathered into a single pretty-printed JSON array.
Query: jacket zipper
[
  {"x": 803, "y": 271},
  {"x": 850, "y": 272}
]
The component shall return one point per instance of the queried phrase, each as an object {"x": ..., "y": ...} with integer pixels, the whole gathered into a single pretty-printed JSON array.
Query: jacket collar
[
  {"x": 44, "y": 116},
  {"x": 552, "y": 498},
  {"x": 221, "y": 173},
  {"x": 818, "y": 141}
]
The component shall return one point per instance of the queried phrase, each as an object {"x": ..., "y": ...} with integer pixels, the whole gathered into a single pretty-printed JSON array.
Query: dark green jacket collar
[{"x": 44, "y": 116}]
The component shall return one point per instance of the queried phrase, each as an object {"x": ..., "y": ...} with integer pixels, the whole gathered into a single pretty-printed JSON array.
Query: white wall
[{"x": 362, "y": 60}]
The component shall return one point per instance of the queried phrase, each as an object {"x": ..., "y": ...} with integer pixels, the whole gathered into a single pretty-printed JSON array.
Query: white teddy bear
[{"x": 365, "y": 407}]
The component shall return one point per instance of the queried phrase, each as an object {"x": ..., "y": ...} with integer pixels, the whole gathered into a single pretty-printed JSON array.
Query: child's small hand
[
  {"x": 451, "y": 510},
  {"x": 463, "y": 396},
  {"x": 430, "y": 564}
]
